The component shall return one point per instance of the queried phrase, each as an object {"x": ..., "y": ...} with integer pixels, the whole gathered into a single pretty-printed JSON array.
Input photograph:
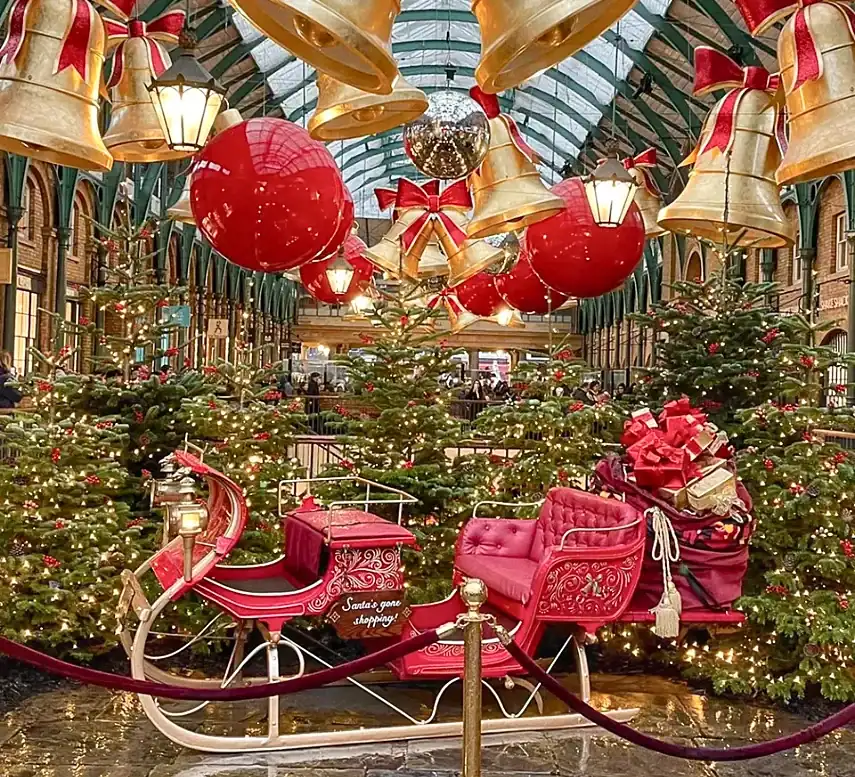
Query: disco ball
[{"x": 451, "y": 137}]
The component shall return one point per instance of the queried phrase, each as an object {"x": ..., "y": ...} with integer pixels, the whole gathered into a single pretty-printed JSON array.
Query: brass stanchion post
[{"x": 474, "y": 594}]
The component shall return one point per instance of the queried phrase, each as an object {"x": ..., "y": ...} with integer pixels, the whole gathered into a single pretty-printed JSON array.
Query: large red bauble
[
  {"x": 314, "y": 274},
  {"x": 345, "y": 227},
  {"x": 576, "y": 256},
  {"x": 479, "y": 295},
  {"x": 524, "y": 291},
  {"x": 267, "y": 196}
]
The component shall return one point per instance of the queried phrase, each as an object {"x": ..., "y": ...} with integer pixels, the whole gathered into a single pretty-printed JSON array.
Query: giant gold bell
[
  {"x": 181, "y": 211},
  {"x": 733, "y": 197},
  {"x": 822, "y": 141},
  {"x": 345, "y": 112},
  {"x": 47, "y": 115},
  {"x": 507, "y": 191},
  {"x": 346, "y": 39},
  {"x": 519, "y": 38},
  {"x": 135, "y": 134},
  {"x": 389, "y": 256},
  {"x": 649, "y": 204}
]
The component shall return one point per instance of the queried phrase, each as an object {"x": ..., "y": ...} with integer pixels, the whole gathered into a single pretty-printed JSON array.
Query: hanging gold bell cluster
[
  {"x": 816, "y": 59},
  {"x": 135, "y": 133},
  {"x": 732, "y": 195},
  {"x": 647, "y": 195},
  {"x": 50, "y": 71}
]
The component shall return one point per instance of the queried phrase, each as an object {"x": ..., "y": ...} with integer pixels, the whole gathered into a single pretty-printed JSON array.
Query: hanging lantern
[
  {"x": 346, "y": 39},
  {"x": 816, "y": 61},
  {"x": 610, "y": 190},
  {"x": 450, "y": 139},
  {"x": 506, "y": 187},
  {"x": 647, "y": 195},
  {"x": 186, "y": 99},
  {"x": 135, "y": 133},
  {"x": 339, "y": 279},
  {"x": 522, "y": 290},
  {"x": 339, "y": 274},
  {"x": 574, "y": 255},
  {"x": 520, "y": 38},
  {"x": 346, "y": 112},
  {"x": 50, "y": 70},
  {"x": 268, "y": 197},
  {"x": 510, "y": 318},
  {"x": 182, "y": 211},
  {"x": 731, "y": 196}
]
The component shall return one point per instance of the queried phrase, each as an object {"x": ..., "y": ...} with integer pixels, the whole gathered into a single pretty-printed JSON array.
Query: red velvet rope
[
  {"x": 743, "y": 753},
  {"x": 116, "y": 682}
]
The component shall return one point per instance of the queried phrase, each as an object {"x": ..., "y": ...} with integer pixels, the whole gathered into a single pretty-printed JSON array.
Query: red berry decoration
[
  {"x": 840, "y": 388},
  {"x": 314, "y": 274},
  {"x": 769, "y": 464},
  {"x": 346, "y": 464},
  {"x": 797, "y": 489},
  {"x": 59, "y": 524},
  {"x": 369, "y": 387},
  {"x": 135, "y": 522},
  {"x": 770, "y": 336},
  {"x": 262, "y": 436},
  {"x": 171, "y": 352},
  {"x": 268, "y": 197},
  {"x": 93, "y": 480},
  {"x": 55, "y": 455},
  {"x": 558, "y": 375},
  {"x": 479, "y": 295},
  {"x": 138, "y": 416},
  {"x": 524, "y": 291},
  {"x": 713, "y": 348},
  {"x": 840, "y": 457},
  {"x": 273, "y": 395},
  {"x": 84, "y": 321},
  {"x": 573, "y": 255},
  {"x": 843, "y": 603},
  {"x": 43, "y": 386},
  {"x": 577, "y": 406},
  {"x": 365, "y": 339},
  {"x": 846, "y": 547},
  {"x": 119, "y": 307},
  {"x": 808, "y": 361},
  {"x": 777, "y": 590},
  {"x": 407, "y": 465},
  {"x": 50, "y": 562}
]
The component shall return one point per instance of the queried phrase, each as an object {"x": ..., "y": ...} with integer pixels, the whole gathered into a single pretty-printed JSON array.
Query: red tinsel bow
[
  {"x": 165, "y": 28},
  {"x": 385, "y": 197},
  {"x": 715, "y": 70},
  {"x": 490, "y": 104},
  {"x": 644, "y": 164},
  {"x": 428, "y": 198}
]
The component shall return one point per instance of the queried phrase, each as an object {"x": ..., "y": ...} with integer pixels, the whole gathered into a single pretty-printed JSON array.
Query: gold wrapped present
[
  {"x": 715, "y": 492},
  {"x": 678, "y": 497}
]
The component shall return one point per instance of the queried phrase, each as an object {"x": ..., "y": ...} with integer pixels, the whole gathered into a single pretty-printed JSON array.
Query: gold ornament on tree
[
  {"x": 50, "y": 71},
  {"x": 506, "y": 187},
  {"x": 816, "y": 60},
  {"x": 345, "y": 112},
  {"x": 135, "y": 134},
  {"x": 731, "y": 196}
]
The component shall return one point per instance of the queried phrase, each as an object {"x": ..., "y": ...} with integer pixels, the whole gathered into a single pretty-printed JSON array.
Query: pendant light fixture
[{"x": 340, "y": 274}]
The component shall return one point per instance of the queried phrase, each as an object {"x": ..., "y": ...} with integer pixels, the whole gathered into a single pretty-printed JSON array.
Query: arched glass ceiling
[{"x": 556, "y": 110}]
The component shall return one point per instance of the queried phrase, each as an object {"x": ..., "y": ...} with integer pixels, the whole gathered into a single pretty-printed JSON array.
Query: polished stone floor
[{"x": 78, "y": 732}]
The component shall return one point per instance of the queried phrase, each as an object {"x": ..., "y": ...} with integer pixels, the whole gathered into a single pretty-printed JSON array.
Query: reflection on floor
[{"x": 81, "y": 732}]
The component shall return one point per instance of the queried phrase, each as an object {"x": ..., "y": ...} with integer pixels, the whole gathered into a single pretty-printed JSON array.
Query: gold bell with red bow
[
  {"x": 507, "y": 191},
  {"x": 816, "y": 60},
  {"x": 731, "y": 196},
  {"x": 135, "y": 134},
  {"x": 647, "y": 194},
  {"x": 458, "y": 317},
  {"x": 346, "y": 39},
  {"x": 520, "y": 38},
  {"x": 345, "y": 112},
  {"x": 181, "y": 210},
  {"x": 50, "y": 71}
]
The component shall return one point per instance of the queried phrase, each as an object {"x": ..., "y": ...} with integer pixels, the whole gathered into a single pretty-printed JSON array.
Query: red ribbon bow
[
  {"x": 490, "y": 104},
  {"x": 714, "y": 70},
  {"x": 681, "y": 406},
  {"x": 656, "y": 464},
  {"x": 644, "y": 164},
  {"x": 428, "y": 199},
  {"x": 385, "y": 197},
  {"x": 165, "y": 28}
]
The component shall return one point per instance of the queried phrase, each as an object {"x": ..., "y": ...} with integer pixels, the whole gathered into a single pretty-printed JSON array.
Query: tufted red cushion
[
  {"x": 510, "y": 577},
  {"x": 498, "y": 537},
  {"x": 567, "y": 508}
]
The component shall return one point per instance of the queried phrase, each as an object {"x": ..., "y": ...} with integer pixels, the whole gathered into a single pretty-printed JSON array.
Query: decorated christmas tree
[
  {"x": 716, "y": 342},
  {"x": 66, "y": 532},
  {"x": 553, "y": 437},
  {"x": 400, "y": 433}
]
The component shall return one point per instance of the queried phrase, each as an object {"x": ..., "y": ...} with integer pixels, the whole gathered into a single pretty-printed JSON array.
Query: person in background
[
  {"x": 582, "y": 393},
  {"x": 313, "y": 401},
  {"x": 9, "y": 395},
  {"x": 285, "y": 386},
  {"x": 594, "y": 390},
  {"x": 620, "y": 391}
]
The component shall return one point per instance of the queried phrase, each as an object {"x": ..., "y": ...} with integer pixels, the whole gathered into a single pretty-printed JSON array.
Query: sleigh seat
[{"x": 578, "y": 561}]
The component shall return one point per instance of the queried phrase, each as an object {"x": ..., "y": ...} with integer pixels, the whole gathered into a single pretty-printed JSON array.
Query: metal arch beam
[
  {"x": 235, "y": 56},
  {"x": 731, "y": 30}
]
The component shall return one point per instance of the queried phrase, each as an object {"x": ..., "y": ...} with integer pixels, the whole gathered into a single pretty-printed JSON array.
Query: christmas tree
[
  {"x": 555, "y": 438},
  {"x": 716, "y": 342},
  {"x": 65, "y": 532},
  {"x": 401, "y": 432}
]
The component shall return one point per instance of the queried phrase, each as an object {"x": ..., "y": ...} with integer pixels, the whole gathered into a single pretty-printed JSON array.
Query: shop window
[
  {"x": 27, "y": 304},
  {"x": 72, "y": 314},
  {"x": 840, "y": 242}
]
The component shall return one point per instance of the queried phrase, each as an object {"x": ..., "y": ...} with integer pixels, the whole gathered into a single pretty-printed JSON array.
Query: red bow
[
  {"x": 643, "y": 163},
  {"x": 76, "y": 42},
  {"x": 428, "y": 199},
  {"x": 165, "y": 27},
  {"x": 490, "y": 104},
  {"x": 808, "y": 59},
  {"x": 385, "y": 197},
  {"x": 122, "y": 8},
  {"x": 714, "y": 70},
  {"x": 15, "y": 33},
  {"x": 681, "y": 406}
]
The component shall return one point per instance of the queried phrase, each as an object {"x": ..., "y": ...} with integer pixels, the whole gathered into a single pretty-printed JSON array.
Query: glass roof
[{"x": 430, "y": 35}]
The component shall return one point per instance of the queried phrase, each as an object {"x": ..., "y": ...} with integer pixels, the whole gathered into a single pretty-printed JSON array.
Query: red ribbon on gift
[
  {"x": 682, "y": 406},
  {"x": 644, "y": 164},
  {"x": 15, "y": 33},
  {"x": 636, "y": 430},
  {"x": 490, "y": 104},
  {"x": 165, "y": 28},
  {"x": 715, "y": 70},
  {"x": 656, "y": 464},
  {"x": 428, "y": 199}
]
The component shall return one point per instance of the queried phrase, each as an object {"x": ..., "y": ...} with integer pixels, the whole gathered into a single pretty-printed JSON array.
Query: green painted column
[
  {"x": 67, "y": 179},
  {"x": 16, "y": 177}
]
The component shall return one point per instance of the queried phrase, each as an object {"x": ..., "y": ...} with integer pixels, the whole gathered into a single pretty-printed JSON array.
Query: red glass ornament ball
[
  {"x": 574, "y": 255},
  {"x": 314, "y": 274},
  {"x": 267, "y": 196},
  {"x": 479, "y": 295},
  {"x": 524, "y": 291}
]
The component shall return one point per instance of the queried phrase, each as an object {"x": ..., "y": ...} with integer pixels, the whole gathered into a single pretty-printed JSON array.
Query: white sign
[{"x": 218, "y": 328}]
